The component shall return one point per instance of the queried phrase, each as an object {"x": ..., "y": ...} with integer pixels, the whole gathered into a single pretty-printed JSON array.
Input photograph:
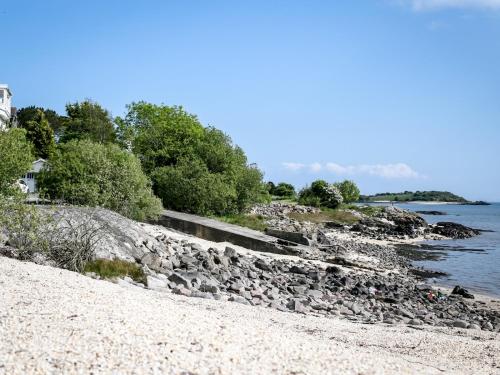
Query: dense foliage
[
  {"x": 321, "y": 193},
  {"x": 193, "y": 168},
  {"x": 15, "y": 159},
  {"x": 282, "y": 190},
  {"x": 32, "y": 113},
  {"x": 349, "y": 191},
  {"x": 41, "y": 135},
  {"x": 409, "y": 196},
  {"x": 88, "y": 120},
  {"x": 87, "y": 173}
]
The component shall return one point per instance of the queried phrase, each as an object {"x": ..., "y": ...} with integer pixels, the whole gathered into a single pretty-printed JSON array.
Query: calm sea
[{"x": 475, "y": 262}]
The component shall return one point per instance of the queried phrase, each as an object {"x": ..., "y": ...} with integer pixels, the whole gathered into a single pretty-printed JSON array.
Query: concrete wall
[{"x": 213, "y": 230}]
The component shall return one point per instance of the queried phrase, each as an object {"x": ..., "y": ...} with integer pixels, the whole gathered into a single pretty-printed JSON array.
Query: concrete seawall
[{"x": 216, "y": 231}]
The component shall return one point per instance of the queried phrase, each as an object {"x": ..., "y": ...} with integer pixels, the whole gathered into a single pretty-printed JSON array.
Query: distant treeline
[{"x": 410, "y": 196}]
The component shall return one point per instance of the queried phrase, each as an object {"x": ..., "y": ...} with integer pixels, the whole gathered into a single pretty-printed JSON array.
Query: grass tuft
[
  {"x": 337, "y": 215},
  {"x": 110, "y": 269},
  {"x": 255, "y": 222}
]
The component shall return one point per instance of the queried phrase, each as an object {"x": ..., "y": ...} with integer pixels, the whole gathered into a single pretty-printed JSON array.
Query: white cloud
[
  {"x": 315, "y": 167},
  {"x": 294, "y": 166},
  {"x": 422, "y": 5},
  {"x": 396, "y": 170}
]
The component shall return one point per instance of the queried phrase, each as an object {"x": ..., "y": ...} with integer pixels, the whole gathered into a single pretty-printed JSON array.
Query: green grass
[
  {"x": 327, "y": 214},
  {"x": 367, "y": 209},
  {"x": 255, "y": 222},
  {"x": 110, "y": 269}
]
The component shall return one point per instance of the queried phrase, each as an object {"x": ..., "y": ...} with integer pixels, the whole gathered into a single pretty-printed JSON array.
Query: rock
[
  {"x": 473, "y": 326},
  {"x": 454, "y": 230},
  {"x": 236, "y": 287},
  {"x": 263, "y": 265},
  {"x": 488, "y": 326},
  {"x": 230, "y": 253},
  {"x": 155, "y": 283},
  {"x": 460, "y": 324},
  {"x": 434, "y": 213},
  {"x": 415, "y": 322},
  {"x": 297, "y": 306},
  {"x": 179, "y": 280},
  {"x": 239, "y": 299},
  {"x": 209, "y": 288},
  {"x": 182, "y": 291},
  {"x": 298, "y": 270},
  {"x": 462, "y": 292}
]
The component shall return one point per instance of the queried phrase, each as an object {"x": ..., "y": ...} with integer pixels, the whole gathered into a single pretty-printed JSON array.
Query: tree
[
  {"x": 86, "y": 173},
  {"x": 39, "y": 132},
  {"x": 15, "y": 158},
  {"x": 194, "y": 168},
  {"x": 284, "y": 189},
  {"x": 56, "y": 122},
  {"x": 88, "y": 120},
  {"x": 349, "y": 190},
  {"x": 321, "y": 193}
]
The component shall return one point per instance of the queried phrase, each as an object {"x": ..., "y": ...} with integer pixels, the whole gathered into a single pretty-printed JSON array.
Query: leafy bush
[
  {"x": 193, "y": 168},
  {"x": 331, "y": 197},
  {"x": 283, "y": 189},
  {"x": 320, "y": 193},
  {"x": 90, "y": 174},
  {"x": 15, "y": 159},
  {"x": 349, "y": 190},
  {"x": 109, "y": 269}
]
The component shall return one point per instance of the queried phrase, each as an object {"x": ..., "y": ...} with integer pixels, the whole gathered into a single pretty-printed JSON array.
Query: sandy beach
[{"x": 55, "y": 321}]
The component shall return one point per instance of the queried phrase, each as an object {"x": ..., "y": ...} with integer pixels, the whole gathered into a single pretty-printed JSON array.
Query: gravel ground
[{"x": 55, "y": 321}]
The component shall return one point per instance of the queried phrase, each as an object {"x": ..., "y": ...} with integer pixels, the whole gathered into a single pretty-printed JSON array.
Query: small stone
[
  {"x": 263, "y": 265},
  {"x": 460, "y": 323},
  {"x": 415, "y": 322},
  {"x": 178, "y": 279},
  {"x": 182, "y": 291},
  {"x": 230, "y": 252},
  {"x": 488, "y": 326},
  {"x": 239, "y": 299},
  {"x": 473, "y": 326}
]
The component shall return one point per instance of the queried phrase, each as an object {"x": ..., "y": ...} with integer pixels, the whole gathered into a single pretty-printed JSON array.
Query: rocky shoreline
[{"x": 346, "y": 274}]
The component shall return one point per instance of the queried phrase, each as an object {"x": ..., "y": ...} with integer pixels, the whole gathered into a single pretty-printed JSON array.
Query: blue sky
[{"x": 396, "y": 95}]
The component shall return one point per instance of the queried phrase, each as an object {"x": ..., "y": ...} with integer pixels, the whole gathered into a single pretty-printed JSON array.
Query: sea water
[{"x": 473, "y": 263}]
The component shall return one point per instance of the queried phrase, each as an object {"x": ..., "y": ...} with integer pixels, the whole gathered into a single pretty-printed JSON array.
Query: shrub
[
  {"x": 90, "y": 174},
  {"x": 25, "y": 227},
  {"x": 320, "y": 193},
  {"x": 284, "y": 189},
  {"x": 109, "y": 269},
  {"x": 349, "y": 190},
  {"x": 15, "y": 159},
  {"x": 69, "y": 242}
]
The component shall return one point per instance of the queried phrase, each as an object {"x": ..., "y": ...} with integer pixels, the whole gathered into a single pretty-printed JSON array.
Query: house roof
[{"x": 5, "y": 87}]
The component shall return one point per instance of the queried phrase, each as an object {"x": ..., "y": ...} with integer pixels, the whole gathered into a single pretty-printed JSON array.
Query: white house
[
  {"x": 30, "y": 177},
  {"x": 5, "y": 106}
]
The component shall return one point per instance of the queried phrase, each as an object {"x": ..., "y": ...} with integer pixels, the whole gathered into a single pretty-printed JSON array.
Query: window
[{"x": 1, "y": 96}]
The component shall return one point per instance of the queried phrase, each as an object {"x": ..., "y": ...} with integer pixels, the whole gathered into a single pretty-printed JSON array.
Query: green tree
[
  {"x": 349, "y": 190},
  {"x": 86, "y": 173},
  {"x": 32, "y": 113},
  {"x": 88, "y": 120},
  {"x": 15, "y": 159},
  {"x": 284, "y": 189},
  {"x": 194, "y": 168},
  {"x": 321, "y": 193},
  {"x": 41, "y": 135}
]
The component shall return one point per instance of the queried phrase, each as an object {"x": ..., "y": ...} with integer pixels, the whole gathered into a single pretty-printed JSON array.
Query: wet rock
[
  {"x": 454, "y": 230},
  {"x": 458, "y": 290}
]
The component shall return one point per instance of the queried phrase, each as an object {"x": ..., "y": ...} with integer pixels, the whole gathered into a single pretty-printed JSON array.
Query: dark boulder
[
  {"x": 454, "y": 230},
  {"x": 462, "y": 292}
]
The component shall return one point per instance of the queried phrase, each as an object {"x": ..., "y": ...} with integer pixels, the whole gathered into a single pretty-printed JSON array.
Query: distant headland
[{"x": 419, "y": 196}]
